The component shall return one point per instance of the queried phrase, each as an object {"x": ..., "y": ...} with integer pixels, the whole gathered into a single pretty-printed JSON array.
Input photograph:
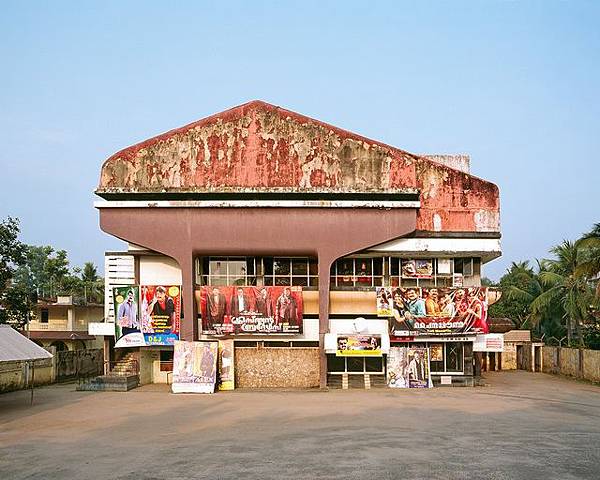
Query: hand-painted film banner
[
  {"x": 147, "y": 315},
  {"x": 358, "y": 346},
  {"x": 434, "y": 311},
  {"x": 250, "y": 310},
  {"x": 194, "y": 367},
  {"x": 408, "y": 367}
]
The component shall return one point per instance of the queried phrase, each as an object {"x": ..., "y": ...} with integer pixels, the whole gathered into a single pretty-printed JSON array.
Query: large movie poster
[
  {"x": 434, "y": 311},
  {"x": 408, "y": 367},
  {"x": 127, "y": 317},
  {"x": 160, "y": 313},
  {"x": 250, "y": 310},
  {"x": 194, "y": 367}
]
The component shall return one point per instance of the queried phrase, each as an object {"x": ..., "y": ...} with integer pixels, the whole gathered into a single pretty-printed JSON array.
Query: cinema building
[{"x": 259, "y": 196}]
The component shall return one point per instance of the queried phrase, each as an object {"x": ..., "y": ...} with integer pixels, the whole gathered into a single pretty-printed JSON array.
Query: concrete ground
[{"x": 523, "y": 425}]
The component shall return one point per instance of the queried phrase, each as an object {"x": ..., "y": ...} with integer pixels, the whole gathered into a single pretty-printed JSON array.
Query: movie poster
[
  {"x": 436, "y": 311},
  {"x": 231, "y": 310},
  {"x": 160, "y": 313},
  {"x": 418, "y": 368},
  {"x": 417, "y": 268},
  {"x": 384, "y": 301},
  {"x": 194, "y": 367},
  {"x": 397, "y": 367},
  {"x": 358, "y": 346},
  {"x": 226, "y": 365},
  {"x": 127, "y": 317}
]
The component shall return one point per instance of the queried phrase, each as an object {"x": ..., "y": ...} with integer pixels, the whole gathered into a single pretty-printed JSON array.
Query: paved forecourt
[{"x": 523, "y": 425}]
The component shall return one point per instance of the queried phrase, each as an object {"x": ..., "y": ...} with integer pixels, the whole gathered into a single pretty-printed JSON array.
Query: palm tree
[
  {"x": 92, "y": 283},
  {"x": 562, "y": 286},
  {"x": 588, "y": 258}
]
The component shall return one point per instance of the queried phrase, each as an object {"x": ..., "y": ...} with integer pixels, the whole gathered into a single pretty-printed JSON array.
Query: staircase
[{"x": 123, "y": 375}]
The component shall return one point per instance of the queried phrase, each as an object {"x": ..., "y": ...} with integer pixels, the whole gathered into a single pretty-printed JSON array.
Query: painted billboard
[
  {"x": 127, "y": 317},
  {"x": 233, "y": 310},
  {"x": 434, "y": 311},
  {"x": 226, "y": 365},
  {"x": 194, "y": 367},
  {"x": 358, "y": 346},
  {"x": 160, "y": 313},
  {"x": 408, "y": 367}
]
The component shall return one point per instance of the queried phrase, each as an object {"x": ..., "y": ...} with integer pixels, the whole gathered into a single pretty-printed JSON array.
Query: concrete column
[
  {"x": 189, "y": 324},
  {"x": 325, "y": 262}
]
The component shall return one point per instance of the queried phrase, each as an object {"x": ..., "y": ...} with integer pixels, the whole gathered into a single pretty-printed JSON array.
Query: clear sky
[{"x": 513, "y": 84}]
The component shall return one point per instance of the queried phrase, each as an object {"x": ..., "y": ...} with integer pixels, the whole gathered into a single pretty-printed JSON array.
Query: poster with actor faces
[
  {"x": 408, "y": 367},
  {"x": 435, "y": 311},
  {"x": 233, "y": 310},
  {"x": 194, "y": 367},
  {"x": 127, "y": 317},
  {"x": 160, "y": 307}
]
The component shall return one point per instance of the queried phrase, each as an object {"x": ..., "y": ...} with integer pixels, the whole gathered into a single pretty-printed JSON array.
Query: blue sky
[{"x": 513, "y": 84}]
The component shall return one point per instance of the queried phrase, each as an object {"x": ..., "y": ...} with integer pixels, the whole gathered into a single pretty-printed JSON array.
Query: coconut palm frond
[{"x": 551, "y": 279}]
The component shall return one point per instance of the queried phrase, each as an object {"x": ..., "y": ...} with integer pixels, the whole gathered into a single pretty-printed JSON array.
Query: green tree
[
  {"x": 588, "y": 257},
  {"x": 14, "y": 298},
  {"x": 93, "y": 284}
]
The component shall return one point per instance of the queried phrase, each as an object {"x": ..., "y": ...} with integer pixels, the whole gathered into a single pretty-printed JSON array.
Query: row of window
[
  {"x": 346, "y": 272},
  {"x": 445, "y": 357}
]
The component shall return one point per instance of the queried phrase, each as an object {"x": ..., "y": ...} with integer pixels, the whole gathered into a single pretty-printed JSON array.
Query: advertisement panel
[
  {"x": 160, "y": 313},
  {"x": 358, "y": 346},
  {"x": 492, "y": 342},
  {"x": 434, "y": 311},
  {"x": 408, "y": 367},
  {"x": 231, "y": 310},
  {"x": 226, "y": 365},
  {"x": 127, "y": 317},
  {"x": 194, "y": 367}
]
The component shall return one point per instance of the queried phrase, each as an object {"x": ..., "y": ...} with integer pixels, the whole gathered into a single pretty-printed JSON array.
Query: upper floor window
[
  {"x": 44, "y": 315},
  {"x": 358, "y": 272},
  {"x": 218, "y": 271}
]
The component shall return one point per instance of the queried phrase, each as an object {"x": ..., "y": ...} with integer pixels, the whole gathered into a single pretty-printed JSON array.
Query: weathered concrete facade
[{"x": 261, "y": 180}]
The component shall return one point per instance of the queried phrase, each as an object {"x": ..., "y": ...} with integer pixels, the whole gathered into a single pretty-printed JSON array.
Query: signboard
[
  {"x": 434, "y": 311},
  {"x": 358, "y": 346},
  {"x": 127, "y": 317},
  {"x": 194, "y": 367},
  {"x": 492, "y": 342},
  {"x": 160, "y": 313},
  {"x": 226, "y": 365},
  {"x": 408, "y": 367},
  {"x": 235, "y": 310}
]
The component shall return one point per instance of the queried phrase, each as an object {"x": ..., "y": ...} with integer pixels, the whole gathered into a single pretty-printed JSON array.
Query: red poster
[{"x": 235, "y": 310}]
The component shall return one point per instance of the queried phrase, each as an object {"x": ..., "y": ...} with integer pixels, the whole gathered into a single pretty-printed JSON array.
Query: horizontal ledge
[{"x": 258, "y": 204}]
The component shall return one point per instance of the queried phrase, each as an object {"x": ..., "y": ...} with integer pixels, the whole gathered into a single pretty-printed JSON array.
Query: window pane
[
  {"x": 374, "y": 364},
  {"x": 454, "y": 357},
  {"x": 237, "y": 268},
  {"x": 458, "y": 265},
  {"x": 218, "y": 281},
  {"x": 355, "y": 364},
  {"x": 314, "y": 282},
  {"x": 269, "y": 281},
  {"x": 268, "y": 266},
  {"x": 313, "y": 267},
  {"x": 282, "y": 281},
  {"x": 394, "y": 266},
  {"x": 336, "y": 364},
  {"x": 363, "y": 267},
  {"x": 299, "y": 266},
  {"x": 345, "y": 267},
  {"x": 250, "y": 270},
  {"x": 468, "y": 267},
  {"x": 377, "y": 266},
  {"x": 300, "y": 281},
  {"x": 217, "y": 266},
  {"x": 281, "y": 266}
]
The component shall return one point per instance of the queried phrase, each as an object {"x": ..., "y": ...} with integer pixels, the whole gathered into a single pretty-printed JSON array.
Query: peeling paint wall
[{"x": 258, "y": 147}]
